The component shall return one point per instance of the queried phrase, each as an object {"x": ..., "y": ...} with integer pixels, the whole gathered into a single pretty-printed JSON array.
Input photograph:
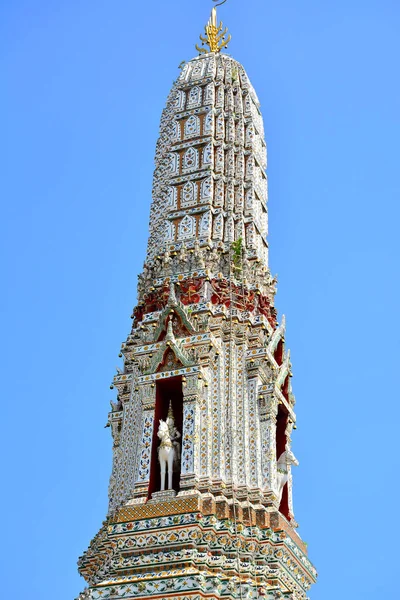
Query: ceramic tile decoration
[{"x": 205, "y": 388}]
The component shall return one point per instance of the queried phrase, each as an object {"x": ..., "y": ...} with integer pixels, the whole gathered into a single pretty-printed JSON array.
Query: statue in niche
[
  {"x": 286, "y": 458},
  {"x": 169, "y": 450}
]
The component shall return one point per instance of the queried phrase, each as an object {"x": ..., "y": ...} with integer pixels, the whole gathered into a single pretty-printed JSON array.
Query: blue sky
[{"x": 84, "y": 86}]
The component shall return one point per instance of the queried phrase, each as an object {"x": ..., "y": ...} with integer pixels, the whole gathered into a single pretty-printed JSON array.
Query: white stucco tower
[{"x": 207, "y": 355}]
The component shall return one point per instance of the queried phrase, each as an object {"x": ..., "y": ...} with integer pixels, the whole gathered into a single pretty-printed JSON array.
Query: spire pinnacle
[
  {"x": 170, "y": 332},
  {"x": 216, "y": 37},
  {"x": 170, "y": 411}
]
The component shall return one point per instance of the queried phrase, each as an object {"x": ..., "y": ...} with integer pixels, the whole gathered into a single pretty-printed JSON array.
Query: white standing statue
[
  {"x": 169, "y": 450},
  {"x": 286, "y": 458}
]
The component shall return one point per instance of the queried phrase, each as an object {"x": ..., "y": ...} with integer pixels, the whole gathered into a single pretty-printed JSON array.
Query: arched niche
[
  {"x": 281, "y": 441},
  {"x": 166, "y": 390}
]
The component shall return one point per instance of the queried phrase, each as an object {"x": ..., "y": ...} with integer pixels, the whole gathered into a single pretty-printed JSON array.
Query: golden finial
[{"x": 215, "y": 39}]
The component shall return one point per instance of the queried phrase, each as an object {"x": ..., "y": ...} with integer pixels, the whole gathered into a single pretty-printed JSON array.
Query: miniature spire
[
  {"x": 215, "y": 39},
  {"x": 170, "y": 332},
  {"x": 170, "y": 412}
]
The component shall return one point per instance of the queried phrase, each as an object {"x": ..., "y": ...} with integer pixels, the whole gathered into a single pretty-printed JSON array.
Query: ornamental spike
[
  {"x": 170, "y": 411},
  {"x": 216, "y": 37}
]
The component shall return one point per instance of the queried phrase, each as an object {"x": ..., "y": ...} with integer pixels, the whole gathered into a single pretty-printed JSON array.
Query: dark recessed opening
[
  {"x": 166, "y": 390},
  {"x": 281, "y": 423}
]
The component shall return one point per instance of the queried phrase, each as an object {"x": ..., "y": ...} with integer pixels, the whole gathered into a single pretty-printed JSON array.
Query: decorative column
[
  {"x": 148, "y": 398},
  {"x": 218, "y": 409},
  {"x": 253, "y": 448},
  {"x": 288, "y": 432},
  {"x": 192, "y": 388},
  {"x": 229, "y": 412},
  {"x": 115, "y": 418},
  {"x": 205, "y": 437},
  {"x": 268, "y": 415}
]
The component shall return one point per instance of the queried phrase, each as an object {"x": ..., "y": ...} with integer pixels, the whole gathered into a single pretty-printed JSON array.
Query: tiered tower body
[{"x": 205, "y": 337}]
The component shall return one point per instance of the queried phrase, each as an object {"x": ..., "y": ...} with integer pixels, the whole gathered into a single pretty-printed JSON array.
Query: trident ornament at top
[{"x": 215, "y": 39}]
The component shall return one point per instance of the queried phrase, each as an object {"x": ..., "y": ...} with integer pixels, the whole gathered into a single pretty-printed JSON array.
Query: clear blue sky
[{"x": 84, "y": 84}]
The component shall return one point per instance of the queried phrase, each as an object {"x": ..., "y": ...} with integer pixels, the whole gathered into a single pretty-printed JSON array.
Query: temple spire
[
  {"x": 216, "y": 37},
  {"x": 204, "y": 393}
]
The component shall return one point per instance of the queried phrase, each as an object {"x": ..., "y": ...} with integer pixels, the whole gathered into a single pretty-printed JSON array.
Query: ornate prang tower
[{"x": 206, "y": 379}]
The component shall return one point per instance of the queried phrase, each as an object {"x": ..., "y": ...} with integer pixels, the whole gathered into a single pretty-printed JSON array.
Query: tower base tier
[{"x": 196, "y": 547}]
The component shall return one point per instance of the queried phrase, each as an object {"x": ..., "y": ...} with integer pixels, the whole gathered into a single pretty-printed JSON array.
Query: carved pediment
[
  {"x": 171, "y": 351},
  {"x": 183, "y": 325},
  {"x": 170, "y": 362}
]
